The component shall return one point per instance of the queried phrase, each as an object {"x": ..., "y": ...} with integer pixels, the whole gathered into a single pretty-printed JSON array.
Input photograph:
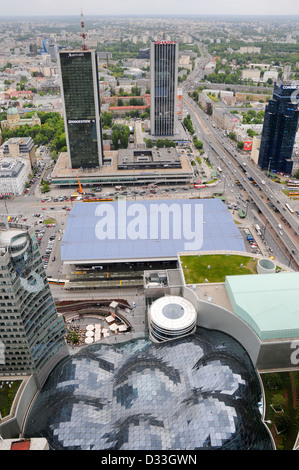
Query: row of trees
[
  {"x": 160, "y": 143},
  {"x": 188, "y": 124},
  {"x": 130, "y": 102}
]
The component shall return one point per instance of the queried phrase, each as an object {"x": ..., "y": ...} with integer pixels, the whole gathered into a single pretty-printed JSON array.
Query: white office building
[{"x": 13, "y": 176}]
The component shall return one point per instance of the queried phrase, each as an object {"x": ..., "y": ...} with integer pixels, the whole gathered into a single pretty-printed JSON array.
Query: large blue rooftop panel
[{"x": 124, "y": 230}]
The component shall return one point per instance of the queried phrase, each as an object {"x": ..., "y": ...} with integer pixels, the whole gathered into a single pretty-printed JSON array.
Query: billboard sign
[{"x": 248, "y": 145}]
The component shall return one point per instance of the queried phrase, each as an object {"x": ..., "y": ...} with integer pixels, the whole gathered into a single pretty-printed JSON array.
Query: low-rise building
[
  {"x": 225, "y": 119},
  {"x": 251, "y": 74},
  {"x": 13, "y": 177},
  {"x": 21, "y": 147}
]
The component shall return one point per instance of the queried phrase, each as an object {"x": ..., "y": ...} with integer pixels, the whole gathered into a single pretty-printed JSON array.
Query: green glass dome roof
[{"x": 12, "y": 111}]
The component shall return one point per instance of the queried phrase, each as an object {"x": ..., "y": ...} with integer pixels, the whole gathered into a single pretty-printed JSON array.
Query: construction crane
[
  {"x": 80, "y": 190},
  {"x": 83, "y": 34}
]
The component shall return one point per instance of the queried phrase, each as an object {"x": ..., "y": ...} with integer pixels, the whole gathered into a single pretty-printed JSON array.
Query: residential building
[
  {"x": 164, "y": 72},
  {"x": 270, "y": 74},
  {"x": 13, "y": 176},
  {"x": 253, "y": 74},
  {"x": 23, "y": 147},
  {"x": 81, "y": 102},
  {"x": 224, "y": 118},
  {"x": 279, "y": 130}
]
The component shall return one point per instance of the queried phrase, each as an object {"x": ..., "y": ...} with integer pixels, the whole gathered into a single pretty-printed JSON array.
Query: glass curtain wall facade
[
  {"x": 164, "y": 57},
  {"x": 81, "y": 98},
  {"x": 279, "y": 130},
  {"x": 31, "y": 331}
]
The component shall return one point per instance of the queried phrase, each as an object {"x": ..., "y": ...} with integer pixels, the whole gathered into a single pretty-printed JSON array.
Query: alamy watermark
[
  {"x": 295, "y": 92},
  {"x": 154, "y": 221},
  {"x": 295, "y": 353}
]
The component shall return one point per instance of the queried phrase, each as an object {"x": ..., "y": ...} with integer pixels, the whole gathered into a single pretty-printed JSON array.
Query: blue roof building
[{"x": 122, "y": 231}]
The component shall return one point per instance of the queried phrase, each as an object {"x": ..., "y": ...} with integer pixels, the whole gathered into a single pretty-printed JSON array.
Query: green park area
[
  {"x": 197, "y": 268},
  {"x": 282, "y": 407},
  {"x": 8, "y": 390}
]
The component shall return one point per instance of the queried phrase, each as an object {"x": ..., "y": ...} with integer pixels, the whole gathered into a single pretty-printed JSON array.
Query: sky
[{"x": 144, "y": 7}]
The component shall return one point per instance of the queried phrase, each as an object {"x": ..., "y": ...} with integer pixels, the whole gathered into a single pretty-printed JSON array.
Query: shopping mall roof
[
  {"x": 121, "y": 231},
  {"x": 269, "y": 303}
]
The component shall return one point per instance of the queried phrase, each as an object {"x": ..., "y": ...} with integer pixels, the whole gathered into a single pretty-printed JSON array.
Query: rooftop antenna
[{"x": 83, "y": 34}]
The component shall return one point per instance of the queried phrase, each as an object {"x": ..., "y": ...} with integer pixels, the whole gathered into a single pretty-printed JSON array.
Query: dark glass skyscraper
[
  {"x": 164, "y": 57},
  {"x": 279, "y": 130},
  {"x": 81, "y": 98}
]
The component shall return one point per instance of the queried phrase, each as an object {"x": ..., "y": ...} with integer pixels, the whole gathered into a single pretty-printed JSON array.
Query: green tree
[
  {"x": 120, "y": 136},
  {"x": 135, "y": 91},
  {"x": 149, "y": 144},
  {"x": 160, "y": 143},
  {"x": 106, "y": 119}
]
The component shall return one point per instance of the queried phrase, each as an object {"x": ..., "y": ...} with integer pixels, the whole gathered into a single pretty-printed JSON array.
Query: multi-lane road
[{"x": 267, "y": 197}]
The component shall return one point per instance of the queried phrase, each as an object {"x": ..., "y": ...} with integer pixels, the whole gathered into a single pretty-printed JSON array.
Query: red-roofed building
[
  {"x": 34, "y": 443},
  {"x": 24, "y": 444}
]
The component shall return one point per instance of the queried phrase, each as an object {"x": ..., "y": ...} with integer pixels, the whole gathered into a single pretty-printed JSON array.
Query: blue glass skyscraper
[{"x": 279, "y": 129}]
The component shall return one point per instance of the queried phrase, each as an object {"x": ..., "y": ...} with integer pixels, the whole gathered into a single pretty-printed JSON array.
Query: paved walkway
[{"x": 135, "y": 316}]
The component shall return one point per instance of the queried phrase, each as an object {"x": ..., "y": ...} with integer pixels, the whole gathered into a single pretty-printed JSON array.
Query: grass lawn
[
  {"x": 196, "y": 271},
  {"x": 7, "y": 394},
  {"x": 288, "y": 387},
  {"x": 50, "y": 221}
]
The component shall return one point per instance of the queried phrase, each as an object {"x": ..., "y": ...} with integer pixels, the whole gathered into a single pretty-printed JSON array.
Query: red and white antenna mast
[{"x": 83, "y": 34}]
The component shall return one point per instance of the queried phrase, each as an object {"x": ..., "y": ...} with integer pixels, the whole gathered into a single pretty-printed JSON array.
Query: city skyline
[{"x": 134, "y": 7}]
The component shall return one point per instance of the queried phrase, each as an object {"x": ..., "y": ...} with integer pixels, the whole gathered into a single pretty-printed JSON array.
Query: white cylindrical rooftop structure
[
  {"x": 171, "y": 317},
  {"x": 266, "y": 266}
]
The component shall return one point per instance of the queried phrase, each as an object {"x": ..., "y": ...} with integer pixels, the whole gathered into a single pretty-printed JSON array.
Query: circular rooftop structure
[
  {"x": 171, "y": 317},
  {"x": 265, "y": 266}
]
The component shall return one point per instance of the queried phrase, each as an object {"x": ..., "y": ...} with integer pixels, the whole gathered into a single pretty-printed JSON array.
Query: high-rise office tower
[
  {"x": 164, "y": 70},
  {"x": 31, "y": 331},
  {"x": 279, "y": 129},
  {"x": 81, "y": 100}
]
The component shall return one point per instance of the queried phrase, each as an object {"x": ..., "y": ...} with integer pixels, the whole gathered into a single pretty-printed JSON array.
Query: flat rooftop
[
  {"x": 149, "y": 158},
  {"x": 123, "y": 231},
  {"x": 269, "y": 303},
  {"x": 62, "y": 169}
]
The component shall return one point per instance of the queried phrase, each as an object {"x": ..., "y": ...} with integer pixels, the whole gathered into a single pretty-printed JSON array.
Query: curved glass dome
[{"x": 196, "y": 392}]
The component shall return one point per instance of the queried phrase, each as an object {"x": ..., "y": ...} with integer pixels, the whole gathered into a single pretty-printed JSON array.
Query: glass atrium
[{"x": 196, "y": 392}]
